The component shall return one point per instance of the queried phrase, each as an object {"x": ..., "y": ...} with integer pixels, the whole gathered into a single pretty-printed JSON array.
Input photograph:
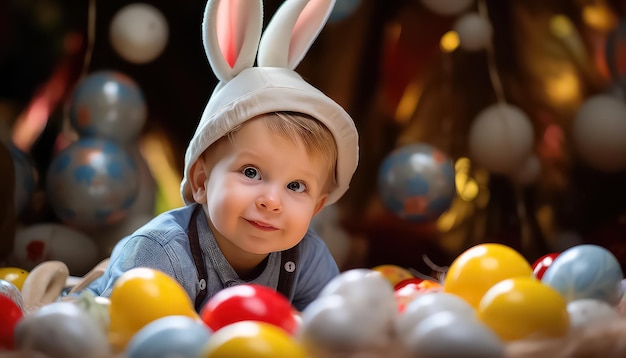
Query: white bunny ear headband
[{"x": 232, "y": 36}]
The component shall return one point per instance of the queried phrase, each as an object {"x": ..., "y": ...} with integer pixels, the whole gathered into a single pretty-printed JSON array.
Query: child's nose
[{"x": 270, "y": 200}]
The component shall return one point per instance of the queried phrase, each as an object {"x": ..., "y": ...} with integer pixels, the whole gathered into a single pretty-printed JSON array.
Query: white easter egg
[
  {"x": 426, "y": 305},
  {"x": 585, "y": 311},
  {"x": 447, "y": 335},
  {"x": 366, "y": 288},
  {"x": 332, "y": 322},
  {"x": 61, "y": 329},
  {"x": 139, "y": 32}
]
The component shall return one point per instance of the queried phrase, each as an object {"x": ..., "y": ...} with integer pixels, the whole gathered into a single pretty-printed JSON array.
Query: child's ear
[
  {"x": 320, "y": 204},
  {"x": 197, "y": 181}
]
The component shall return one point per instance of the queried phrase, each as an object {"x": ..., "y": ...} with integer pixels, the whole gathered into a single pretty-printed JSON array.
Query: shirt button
[
  {"x": 202, "y": 284},
  {"x": 290, "y": 266}
]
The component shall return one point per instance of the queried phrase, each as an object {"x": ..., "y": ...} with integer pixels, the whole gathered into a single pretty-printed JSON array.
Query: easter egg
[
  {"x": 427, "y": 305},
  {"x": 11, "y": 315},
  {"x": 15, "y": 275},
  {"x": 170, "y": 336},
  {"x": 353, "y": 310},
  {"x": 524, "y": 307},
  {"x": 393, "y": 273},
  {"x": 478, "y": 268},
  {"x": 541, "y": 264},
  {"x": 365, "y": 289},
  {"x": 252, "y": 339},
  {"x": 407, "y": 290},
  {"x": 331, "y": 322},
  {"x": 140, "y": 296},
  {"x": 586, "y": 311},
  {"x": 61, "y": 329},
  {"x": 447, "y": 335},
  {"x": 248, "y": 302},
  {"x": 586, "y": 271},
  {"x": 11, "y": 291}
]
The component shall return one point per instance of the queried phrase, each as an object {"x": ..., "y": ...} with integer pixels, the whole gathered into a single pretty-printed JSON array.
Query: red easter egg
[
  {"x": 10, "y": 315},
  {"x": 414, "y": 281},
  {"x": 249, "y": 302},
  {"x": 541, "y": 264}
]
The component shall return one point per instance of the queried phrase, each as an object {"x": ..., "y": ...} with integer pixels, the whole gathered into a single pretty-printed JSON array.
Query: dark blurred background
[{"x": 384, "y": 62}]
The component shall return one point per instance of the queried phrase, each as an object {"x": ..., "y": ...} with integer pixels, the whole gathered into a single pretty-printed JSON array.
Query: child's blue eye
[
  {"x": 251, "y": 172},
  {"x": 296, "y": 186}
]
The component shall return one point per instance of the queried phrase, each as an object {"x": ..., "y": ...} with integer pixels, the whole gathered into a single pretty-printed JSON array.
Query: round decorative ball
[
  {"x": 586, "y": 271},
  {"x": 599, "y": 131},
  {"x": 139, "y": 32},
  {"x": 416, "y": 182},
  {"x": 523, "y": 307},
  {"x": 108, "y": 104},
  {"x": 92, "y": 183},
  {"x": 474, "y": 31},
  {"x": 247, "y": 302},
  {"x": 169, "y": 336},
  {"x": 252, "y": 339},
  {"x": 501, "y": 138},
  {"x": 481, "y": 266}
]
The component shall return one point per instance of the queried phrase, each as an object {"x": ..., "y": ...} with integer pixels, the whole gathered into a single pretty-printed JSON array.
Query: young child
[{"x": 269, "y": 153}]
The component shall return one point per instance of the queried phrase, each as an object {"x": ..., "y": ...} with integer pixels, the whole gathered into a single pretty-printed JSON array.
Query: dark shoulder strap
[
  {"x": 288, "y": 267},
  {"x": 196, "y": 252}
]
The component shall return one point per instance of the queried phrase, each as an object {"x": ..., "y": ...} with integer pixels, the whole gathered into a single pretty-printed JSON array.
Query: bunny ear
[
  {"x": 230, "y": 32},
  {"x": 291, "y": 32}
]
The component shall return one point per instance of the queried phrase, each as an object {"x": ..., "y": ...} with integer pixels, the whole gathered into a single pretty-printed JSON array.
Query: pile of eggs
[{"x": 490, "y": 296}]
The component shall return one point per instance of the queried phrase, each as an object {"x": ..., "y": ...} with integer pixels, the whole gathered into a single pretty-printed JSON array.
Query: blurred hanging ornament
[
  {"x": 599, "y": 130},
  {"x": 474, "y": 32},
  {"x": 141, "y": 211},
  {"x": 447, "y": 7},
  {"x": 139, "y": 32},
  {"x": 108, "y": 104},
  {"x": 92, "y": 183},
  {"x": 416, "y": 182},
  {"x": 501, "y": 138}
]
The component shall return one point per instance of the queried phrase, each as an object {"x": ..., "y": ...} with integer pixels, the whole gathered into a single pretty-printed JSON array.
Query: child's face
[{"x": 261, "y": 191}]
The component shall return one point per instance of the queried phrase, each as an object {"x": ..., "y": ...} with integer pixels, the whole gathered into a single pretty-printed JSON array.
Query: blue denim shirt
[{"x": 163, "y": 244}]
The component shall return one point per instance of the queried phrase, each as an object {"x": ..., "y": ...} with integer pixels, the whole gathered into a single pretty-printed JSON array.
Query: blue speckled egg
[
  {"x": 586, "y": 271},
  {"x": 169, "y": 336}
]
